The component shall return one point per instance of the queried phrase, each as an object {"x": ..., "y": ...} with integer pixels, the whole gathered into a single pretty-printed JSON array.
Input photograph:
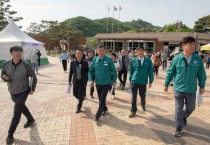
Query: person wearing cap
[
  {"x": 16, "y": 73},
  {"x": 186, "y": 68},
  {"x": 34, "y": 61},
  {"x": 103, "y": 72},
  {"x": 64, "y": 58},
  {"x": 141, "y": 73}
]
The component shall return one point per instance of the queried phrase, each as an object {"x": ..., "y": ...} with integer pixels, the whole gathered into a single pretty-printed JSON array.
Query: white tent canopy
[{"x": 11, "y": 35}]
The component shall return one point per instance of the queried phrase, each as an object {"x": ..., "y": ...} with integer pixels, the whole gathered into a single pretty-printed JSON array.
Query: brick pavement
[{"x": 58, "y": 124}]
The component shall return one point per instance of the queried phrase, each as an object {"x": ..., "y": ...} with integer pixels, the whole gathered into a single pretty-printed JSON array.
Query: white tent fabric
[{"x": 11, "y": 35}]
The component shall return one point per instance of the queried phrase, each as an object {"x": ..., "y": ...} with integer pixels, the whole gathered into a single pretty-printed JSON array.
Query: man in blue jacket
[
  {"x": 102, "y": 70},
  {"x": 141, "y": 69},
  {"x": 186, "y": 68}
]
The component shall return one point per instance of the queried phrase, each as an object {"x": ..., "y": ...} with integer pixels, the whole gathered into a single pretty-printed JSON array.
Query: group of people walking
[
  {"x": 185, "y": 69},
  {"x": 101, "y": 71}
]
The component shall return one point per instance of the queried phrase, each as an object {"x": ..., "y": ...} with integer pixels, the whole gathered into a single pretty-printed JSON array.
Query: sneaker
[
  {"x": 133, "y": 114},
  {"x": 9, "y": 139},
  {"x": 178, "y": 132},
  {"x": 29, "y": 123},
  {"x": 185, "y": 121},
  {"x": 113, "y": 97},
  {"x": 96, "y": 119}
]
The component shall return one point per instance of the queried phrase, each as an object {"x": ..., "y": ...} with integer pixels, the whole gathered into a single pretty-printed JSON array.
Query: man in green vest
[
  {"x": 103, "y": 72},
  {"x": 186, "y": 68},
  {"x": 141, "y": 69}
]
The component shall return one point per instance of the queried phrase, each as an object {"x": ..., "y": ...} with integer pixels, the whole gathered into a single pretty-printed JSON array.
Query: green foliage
[
  {"x": 55, "y": 31},
  {"x": 202, "y": 25},
  {"x": 90, "y": 27},
  {"x": 6, "y": 14},
  {"x": 176, "y": 27},
  {"x": 91, "y": 42}
]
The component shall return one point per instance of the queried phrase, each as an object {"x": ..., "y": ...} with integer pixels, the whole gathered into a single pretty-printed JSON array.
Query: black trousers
[
  {"x": 142, "y": 94},
  {"x": 79, "y": 88},
  {"x": 102, "y": 91},
  {"x": 64, "y": 63},
  {"x": 124, "y": 73},
  {"x": 19, "y": 108},
  {"x": 156, "y": 70},
  {"x": 91, "y": 90},
  {"x": 207, "y": 64},
  {"x": 39, "y": 61}
]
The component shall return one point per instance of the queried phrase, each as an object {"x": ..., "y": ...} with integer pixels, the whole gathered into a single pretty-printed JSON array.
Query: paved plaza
[{"x": 58, "y": 124}]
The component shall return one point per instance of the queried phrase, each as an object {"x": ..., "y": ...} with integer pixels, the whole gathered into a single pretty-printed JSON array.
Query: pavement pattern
[{"x": 58, "y": 124}]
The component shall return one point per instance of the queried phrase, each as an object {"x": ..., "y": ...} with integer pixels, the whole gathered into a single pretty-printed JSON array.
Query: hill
[{"x": 91, "y": 27}]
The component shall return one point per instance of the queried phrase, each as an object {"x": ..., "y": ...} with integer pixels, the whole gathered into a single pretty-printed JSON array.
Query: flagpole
[
  {"x": 107, "y": 26},
  {"x": 114, "y": 9},
  {"x": 120, "y": 8}
]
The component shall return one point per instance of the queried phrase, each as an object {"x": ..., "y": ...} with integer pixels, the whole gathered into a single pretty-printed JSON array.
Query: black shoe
[
  {"x": 96, "y": 119},
  {"x": 133, "y": 114},
  {"x": 9, "y": 139},
  {"x": 78, "y": 111},
  {"x": 178, "y": 132},
  {"x": 29, "y": 123},
  {"x": 185, "y": 121}
]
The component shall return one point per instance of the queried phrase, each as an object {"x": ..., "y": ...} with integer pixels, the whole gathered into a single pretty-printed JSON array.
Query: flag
[
  {"x": 120, "y": 8},
  {"x": 115, "y": 9}
]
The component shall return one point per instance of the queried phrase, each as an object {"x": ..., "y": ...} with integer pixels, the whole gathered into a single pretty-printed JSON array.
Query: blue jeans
[
  {"x": 164, "y": 64},
  {"x": 102, "y": 91},
  {"x": 35, "y": 67},
  {"x": 181, "y": 99}
]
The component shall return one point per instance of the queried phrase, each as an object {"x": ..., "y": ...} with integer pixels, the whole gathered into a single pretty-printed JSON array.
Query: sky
[{"x": 156, "y": 12}]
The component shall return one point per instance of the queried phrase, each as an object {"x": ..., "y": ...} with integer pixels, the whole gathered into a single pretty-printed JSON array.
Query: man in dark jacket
[
  {"x": 16, "y": 73},
  {"x": 79, "y": 71}
]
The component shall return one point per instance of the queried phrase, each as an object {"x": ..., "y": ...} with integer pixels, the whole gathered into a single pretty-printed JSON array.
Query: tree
[
  {"x": 53, "y": 32},
  {"x": 6, "y": 14},
  {"x": 175, "y": 27},
  {"x": 202, "y": 25},
  {"x": 35, "y": 28}
]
